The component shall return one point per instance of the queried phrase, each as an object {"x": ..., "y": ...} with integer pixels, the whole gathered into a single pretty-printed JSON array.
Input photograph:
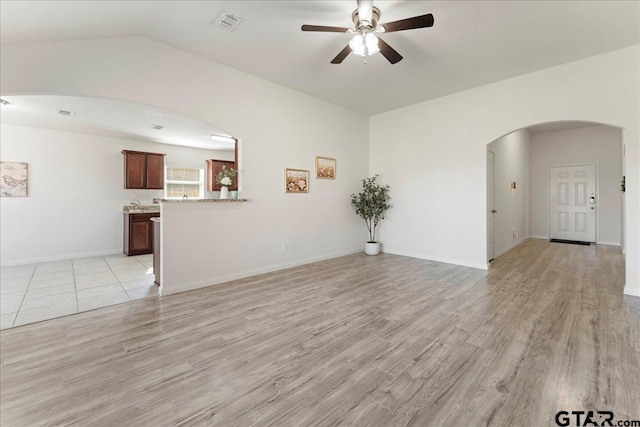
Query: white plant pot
[
  {"x": 224, "y": 192},
  {"x": 372, "y": 248}
]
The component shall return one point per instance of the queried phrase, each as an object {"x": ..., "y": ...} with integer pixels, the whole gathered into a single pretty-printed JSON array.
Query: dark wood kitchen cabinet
[
  {"x": 213, "y": 168},
  {"x": 138, "y": 233},
  {"x": 143, "y": 170}
]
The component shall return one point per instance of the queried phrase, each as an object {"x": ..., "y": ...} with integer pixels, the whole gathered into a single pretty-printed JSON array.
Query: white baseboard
[
  {"x": 633, "y": 292},
  {"x": 608, "y": 243},
  {"x": 183, "y": 287},
  {"x": 462, "y": 263},
  {"x": 514, "y": 245},
  {"x": 539, "y": 237},
  {"x": 60, "y": 257}
]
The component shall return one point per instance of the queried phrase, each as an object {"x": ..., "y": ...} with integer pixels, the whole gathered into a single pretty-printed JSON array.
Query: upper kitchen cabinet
[
  {"x": 143, "y": 170},
  {"x": 213, "y": 169},
  {"x": 215, "y": 166}
]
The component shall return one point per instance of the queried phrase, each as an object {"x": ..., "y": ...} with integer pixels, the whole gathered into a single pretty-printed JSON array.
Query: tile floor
[{"x": 34, "y": 292}]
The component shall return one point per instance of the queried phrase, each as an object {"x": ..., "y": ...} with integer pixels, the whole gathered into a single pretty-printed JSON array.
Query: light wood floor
[{"x": 387, "y": 341}]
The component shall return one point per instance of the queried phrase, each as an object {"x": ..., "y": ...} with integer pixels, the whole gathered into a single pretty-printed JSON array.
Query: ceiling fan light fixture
[
  {"x": 365, "y": 23},
  {"x": 364, "y": 45}
]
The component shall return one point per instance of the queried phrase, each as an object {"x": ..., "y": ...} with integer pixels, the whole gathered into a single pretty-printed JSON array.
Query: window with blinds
[{"x": 183, "y": 181}]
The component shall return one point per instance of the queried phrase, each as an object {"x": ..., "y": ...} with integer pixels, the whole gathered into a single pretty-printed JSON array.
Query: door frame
[
  {"x": 491, "y": 237},
  {"x": 597, "y": 165}
]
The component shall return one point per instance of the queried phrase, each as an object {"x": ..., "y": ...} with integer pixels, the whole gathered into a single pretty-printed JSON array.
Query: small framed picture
[
  {"x": 325, "y": 168},
  {"x": 296, "y": 181},
  {"x": 15, "y": 179}
]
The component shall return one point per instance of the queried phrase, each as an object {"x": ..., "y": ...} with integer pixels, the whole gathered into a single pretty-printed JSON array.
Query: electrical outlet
[{"x": 285, "y": 247}]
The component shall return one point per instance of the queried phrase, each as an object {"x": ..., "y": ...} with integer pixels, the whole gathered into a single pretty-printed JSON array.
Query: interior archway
[
  {"x": 521, "y": 188},
  {"x": 112, "y": 117},
  {"x": 72, "y": 145}
]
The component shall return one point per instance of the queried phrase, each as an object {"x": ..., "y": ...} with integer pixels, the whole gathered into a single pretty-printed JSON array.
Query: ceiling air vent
[
  {"x": 157, "y": 127},
  {"x": 227, "y": 21},
  {"x": 66, "y": 113}
]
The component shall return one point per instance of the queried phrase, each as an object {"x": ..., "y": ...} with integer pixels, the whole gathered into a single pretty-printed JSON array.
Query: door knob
[{"x": 494, "y": 211}]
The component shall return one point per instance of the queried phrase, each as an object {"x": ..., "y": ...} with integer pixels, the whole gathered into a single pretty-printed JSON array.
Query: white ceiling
[
  {"x": 472, "y": 42},
  {"x": 110, "y": 118}
]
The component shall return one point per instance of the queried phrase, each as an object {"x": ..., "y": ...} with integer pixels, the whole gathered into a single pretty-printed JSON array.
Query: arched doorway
[
  {"x": 63, "y": 243},
  {"x": 519, "y": 196}
]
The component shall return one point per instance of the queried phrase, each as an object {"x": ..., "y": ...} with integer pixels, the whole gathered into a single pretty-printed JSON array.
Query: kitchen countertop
[
  {"x": 141, "y": 209},
  {"x": 200, "y": 200}
]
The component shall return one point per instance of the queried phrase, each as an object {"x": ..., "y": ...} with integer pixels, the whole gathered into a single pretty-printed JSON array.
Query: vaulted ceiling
[{"x": 472, "y": 43}]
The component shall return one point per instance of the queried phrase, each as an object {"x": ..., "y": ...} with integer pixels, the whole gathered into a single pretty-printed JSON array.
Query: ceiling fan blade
[
  {"x": 365, "y": 9},
  {"x": 388, "y": 52},
  {"x": 325, "y": 29},
  {"x": 343, "y": 54},
  {"x": 421, "y": 21}
]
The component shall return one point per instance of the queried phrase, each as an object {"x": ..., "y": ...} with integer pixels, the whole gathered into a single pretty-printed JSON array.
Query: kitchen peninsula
[{"x": 196, "y": 242}]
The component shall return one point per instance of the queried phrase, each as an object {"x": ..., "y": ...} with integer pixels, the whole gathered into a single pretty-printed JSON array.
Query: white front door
[
  {"x": 491, "y": 254},
  {"x": 573, "y": 203}
]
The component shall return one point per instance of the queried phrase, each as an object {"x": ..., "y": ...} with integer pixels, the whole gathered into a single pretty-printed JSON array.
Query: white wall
[
  {"x": 76, "y": 192},
  {"x": 437, "y": 167},
  {"x": 600, "y": 145},
  {"x": 277, "y": 127},
  {"x": 511, "y": 163}
]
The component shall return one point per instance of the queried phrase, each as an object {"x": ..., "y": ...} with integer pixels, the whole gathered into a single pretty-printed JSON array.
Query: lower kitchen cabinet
[{"x": 138, "y": 233}]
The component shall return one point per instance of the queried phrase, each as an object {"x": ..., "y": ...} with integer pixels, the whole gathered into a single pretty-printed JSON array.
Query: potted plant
[
  {"x": 371, "y": 204},
  {"x": 225, "y": 179}
]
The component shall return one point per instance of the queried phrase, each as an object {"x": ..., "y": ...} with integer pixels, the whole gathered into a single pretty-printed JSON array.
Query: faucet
[
  {"x": 184, "y": 196},
  {"x": 135, "y": 203}
]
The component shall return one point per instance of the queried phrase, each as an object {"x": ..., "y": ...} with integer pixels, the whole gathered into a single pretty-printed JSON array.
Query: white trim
[
  {"x": 491, "y": 238},
  {"x": 183, "y": 287},
  {"x": 462, "y": 263},
  {"x": 608, "y": 243},
  {"x": 632, "y": 292},
  {"x": 539, "y": 237},
  {"x": 61, "y": 257},
  {"x": 513, "y": 246}
]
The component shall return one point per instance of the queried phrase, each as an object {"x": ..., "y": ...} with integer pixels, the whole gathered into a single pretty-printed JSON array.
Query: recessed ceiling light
[{"x": 157, "y": 127}]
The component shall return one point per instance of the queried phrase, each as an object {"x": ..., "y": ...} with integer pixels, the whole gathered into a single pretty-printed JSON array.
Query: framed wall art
[
  {"x": 296, "y": 181},
  {"x": 325, "y": 168},
  {"x": 14, "y": 179}
]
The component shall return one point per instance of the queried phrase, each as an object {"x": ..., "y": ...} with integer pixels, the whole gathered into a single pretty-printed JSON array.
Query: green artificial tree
[{"x": 371, "y": 204}]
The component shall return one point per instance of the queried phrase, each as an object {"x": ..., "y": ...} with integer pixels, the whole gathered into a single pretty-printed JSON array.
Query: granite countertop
[
  {"x": 199, "y": 200},
  {"x": 141, "y": 209}
]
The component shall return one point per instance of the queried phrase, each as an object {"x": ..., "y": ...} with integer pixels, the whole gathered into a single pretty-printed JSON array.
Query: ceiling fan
[{"x": 365, "y": 42}]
